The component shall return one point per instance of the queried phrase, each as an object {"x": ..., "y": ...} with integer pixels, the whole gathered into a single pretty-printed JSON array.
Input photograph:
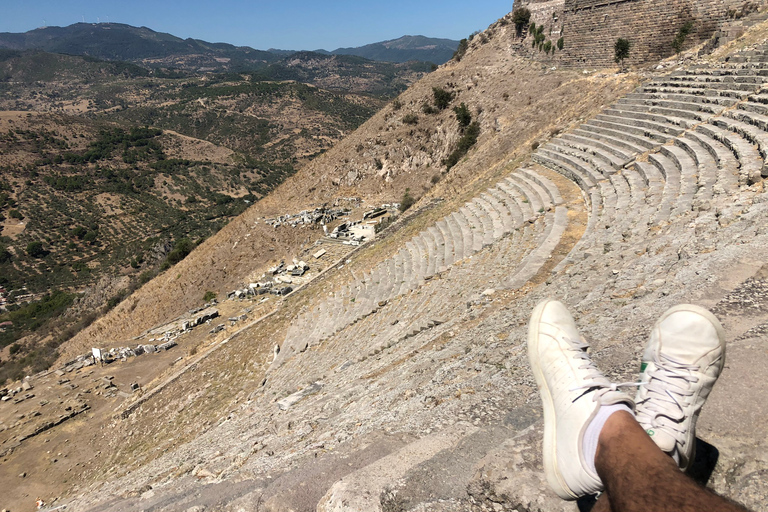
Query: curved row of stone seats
[
  {"x": 749, "y": 125},
  {"x": 712, "y": 99},
  {"x": 673, "y": 116},
  {"x": 707, "y": 170},
  {"x": 750, "y": 162},
  {"x": 717, "y": 76},
  {"x": 675, "y": 102},
  {"x": 718, "y": 91},
  {"x": 727, "y": 165},
  {"x": 517, "y": 199},
  {"x": 438, "y": 301},
  {"x": 685, "y": 182},
  {"x": 401, "y": 318},
  {"x": 599, "y": 158},
  {"x": 642, "y": 126},
  {"x": 752, "y": 57}
]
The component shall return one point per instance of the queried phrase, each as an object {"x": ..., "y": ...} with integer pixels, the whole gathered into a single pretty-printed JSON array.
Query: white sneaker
[
  {"x": 683, "y": 359},
  {"x": 572, "y": 390}
]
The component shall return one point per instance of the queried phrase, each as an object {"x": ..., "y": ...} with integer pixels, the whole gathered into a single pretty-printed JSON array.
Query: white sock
[{"x": 592, "y": 434}]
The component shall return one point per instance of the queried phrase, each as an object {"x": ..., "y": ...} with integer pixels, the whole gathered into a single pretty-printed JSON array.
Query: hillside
[
  {"x": 107, "y": 200},
  {"x": 404, "y": 49},
  {"x": 396, "y": 378}
]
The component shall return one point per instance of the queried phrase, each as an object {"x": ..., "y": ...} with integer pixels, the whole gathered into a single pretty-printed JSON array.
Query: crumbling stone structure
[{"x": 590, "y": 27}]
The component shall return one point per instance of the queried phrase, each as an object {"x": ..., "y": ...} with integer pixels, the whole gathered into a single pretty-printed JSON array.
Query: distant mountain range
[
  {"x": 117, "y": 41},
  {"x": 405, "y": 49}
]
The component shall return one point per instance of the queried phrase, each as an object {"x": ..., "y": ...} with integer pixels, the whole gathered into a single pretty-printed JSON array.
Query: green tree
[
  {"x": 36, "y": 250},
  {"x": 5, "y": 254},
  {"x": 521, "y": 17},
  {"x": 442, "y": 97},
  {"x": 682, "y": 34},
  {"x": 462, "y": 115},
  {"x": 621, "y": 50},
  {"x": 209, "y": 296}
]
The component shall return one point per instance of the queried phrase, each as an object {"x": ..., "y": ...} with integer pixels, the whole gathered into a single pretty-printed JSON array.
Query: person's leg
[{"x": 638, "y": 476}]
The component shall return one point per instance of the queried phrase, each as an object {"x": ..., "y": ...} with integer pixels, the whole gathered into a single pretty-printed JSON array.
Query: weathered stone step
[
  {"x": 677, "y": 122},
  {"x": 594, "y": 158},
  {"x": 475, "y": 227},
  {"x": 506, "y": 221},
  {"x": 730, "y": 86},
  {"x": 590, "y": 174},
  {"x": 485, "y": 232},
  {"x": 620, "y": 156},
  {"x": 630, "y": 150},
  {"x": 466, "y": 234},
  {"x": 646, "y": 137},
  {"x": 671, "y": 175},
  {"x": 687, "y": 116},
  {"x": 640, "y": 142},
  {"x": 727, "y": 165},
  {"x": 542, "y": 198},
  {"x": 707, "y": 170},
  {"x": 749, "y": 125},
  {"x": 550, "y": 188},
  {"x": 553, "y": 161},
  {"x": 716, "y": 78},
  {"x": 750, "y": 162},
  {"x": 556, "y": 224},
  {"x": 497, "y": 226},
  {"x": 509, "y": 202},
  {"x": 522, "y": 202},
  {"x": 688, "y": 172},
  {"x": 689, "y": 103},
  {"x": 440, "y": 243}
]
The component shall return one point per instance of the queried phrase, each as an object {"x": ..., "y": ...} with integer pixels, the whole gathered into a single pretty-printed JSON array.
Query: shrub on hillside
[
  {"x": 560, "y": 44},
  {"x": 407, "y": 200},
  {"x": 462, "y": 115},
  {"x": 209, "y": 296},
  {"x": 181, "y": 250},
  {"x": 461, "y": 50},
  {"x": 410, "y": 118},
  {"x": 465, "y": 143},
  {"x": 442, "y": 97}
]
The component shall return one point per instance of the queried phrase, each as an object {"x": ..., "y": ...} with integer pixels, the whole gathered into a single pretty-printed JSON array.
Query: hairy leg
[{"x": 638, "y": 476}]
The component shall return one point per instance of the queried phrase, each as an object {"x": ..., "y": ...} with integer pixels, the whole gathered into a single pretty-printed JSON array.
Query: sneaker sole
[{"x": 551, "y": 470}]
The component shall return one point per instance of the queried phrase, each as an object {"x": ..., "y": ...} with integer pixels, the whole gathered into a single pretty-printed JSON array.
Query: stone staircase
[{"x": 407, "y": 387}]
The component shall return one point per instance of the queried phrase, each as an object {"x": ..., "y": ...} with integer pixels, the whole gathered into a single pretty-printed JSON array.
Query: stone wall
[{"x": 590, "y": 27}]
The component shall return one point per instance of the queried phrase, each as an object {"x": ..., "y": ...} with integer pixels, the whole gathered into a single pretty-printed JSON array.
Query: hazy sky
[{"x": 297, "y": 25}]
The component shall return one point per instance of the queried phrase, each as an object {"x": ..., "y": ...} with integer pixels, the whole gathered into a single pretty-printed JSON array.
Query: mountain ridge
[{"x": 119, "y": 41}]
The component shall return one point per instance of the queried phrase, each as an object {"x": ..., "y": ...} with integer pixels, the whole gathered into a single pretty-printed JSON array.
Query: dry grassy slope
[{"x": 518, "y": 102}]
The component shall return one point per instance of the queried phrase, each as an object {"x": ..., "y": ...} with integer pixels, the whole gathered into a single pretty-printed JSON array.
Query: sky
[{"x": 260, "y": 24}]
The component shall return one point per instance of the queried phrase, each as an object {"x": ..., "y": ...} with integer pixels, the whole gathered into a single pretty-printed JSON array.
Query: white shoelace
[
  {"x": 595, "y": 377},
  {"x": 668, "y": 394}
]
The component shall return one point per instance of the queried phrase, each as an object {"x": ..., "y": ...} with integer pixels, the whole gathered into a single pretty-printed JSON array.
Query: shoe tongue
[{"x": 662, "y": 439}]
